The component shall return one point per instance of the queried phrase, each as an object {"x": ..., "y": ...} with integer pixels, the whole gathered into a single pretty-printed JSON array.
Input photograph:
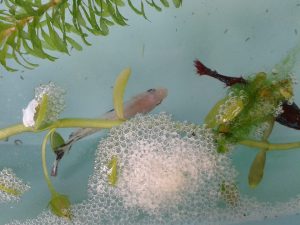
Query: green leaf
[
  {"x": 77, "y": 19},
  {"x": 56, "y": 40},
  {"x": 41, "y": 113},
  {"x": 165, "y": 3},
  {"x": 43, "y": 8},
  {"x": 74, "y": 44},
  {"x": 143, "y": 10},
  {"x": 210, "y": 119},
  {"x": 256, "y": 171},
  {"x": 108, "y": 22},
  {"x": 92, "y": 20},
  {"x": 71, "y": 28},
  {"x": 27, "y": 6},
  {"x": 228, "y": 113},
  {"x": 48, "y": 43},
  {"x": 118, "y": 93},
  {"x": 134, "y": 8},
  {"x": 118, "y": 2},
  {"x": 36, "y": 50},
  {"x": 56, "y": 141},
  {"x": 152, "y": 4},
  {"x": 80, "y": 19},
  {"x": 16, "y": 51},
  {"x": 91, "y": 16},
  {"x": 19, "y": 62},
  {"x": 177, "y": 3},
  {"x": 3, "y": 56},
  {"x": 60, "y": 206},
  {"x": 222, "y": 145},
  {"x": 112, "y": 171},
  {"x": 121, "y": 18},
  {"x": 104, "y": 25},
  {"x": 9, "y": 190},
  {"x": 115, "y": 15},
  {"x": 29, "y": 63}
]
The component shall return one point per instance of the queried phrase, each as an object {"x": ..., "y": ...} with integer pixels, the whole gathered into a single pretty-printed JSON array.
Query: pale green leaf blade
[
  {"x": 41, "y": 113},
  {"x": 74, "y": 44},
  {"x": 119, "y": 90},
  {"x": 256, "y": 171},
  {"x": 112, "y": 171},
  {"x": 177, "y": 3},
  {"x": 56, "y": 141}
]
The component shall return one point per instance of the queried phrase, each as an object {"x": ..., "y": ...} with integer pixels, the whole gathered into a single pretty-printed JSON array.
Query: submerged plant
[
  {"x": 252, "y": 105},
  {"x": 39, "y": 27},
  {"x": 42, "y": 114}
]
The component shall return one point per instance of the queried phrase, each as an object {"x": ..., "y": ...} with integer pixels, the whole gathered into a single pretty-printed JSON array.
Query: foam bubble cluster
[
  {"x": 167, "y": 172},
  {"x": 56, "y": 101},
  {"x": 261, "y": 129},
  {"x": 162, "y": 165},
  {"x": 231, "y": 107},
  {"x": 11, "y": 187}
]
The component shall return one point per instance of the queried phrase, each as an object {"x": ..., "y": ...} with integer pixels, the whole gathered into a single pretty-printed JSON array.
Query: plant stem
[
  {"x": 61, "y": 123},
  {"x": 13, "y": 130},
  {"x": 268, "y": 131},
  {"x": 269, "y": 146},
  {"x": 85, "y": 123},
  {"x": 44, "y": 163}
]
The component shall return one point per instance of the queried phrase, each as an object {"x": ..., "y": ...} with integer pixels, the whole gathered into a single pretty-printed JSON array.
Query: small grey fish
[{"x": 141, "y": 103}]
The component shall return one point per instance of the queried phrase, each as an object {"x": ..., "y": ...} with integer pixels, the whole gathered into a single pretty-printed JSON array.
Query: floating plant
[{"x": 38, "y": 27}]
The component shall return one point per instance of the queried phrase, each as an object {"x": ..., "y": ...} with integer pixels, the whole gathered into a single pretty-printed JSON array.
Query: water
[{"x": 234, "y": 37}]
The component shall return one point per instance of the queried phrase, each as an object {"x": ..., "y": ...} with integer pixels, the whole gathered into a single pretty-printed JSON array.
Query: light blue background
[{"x": 236, "y": 37}]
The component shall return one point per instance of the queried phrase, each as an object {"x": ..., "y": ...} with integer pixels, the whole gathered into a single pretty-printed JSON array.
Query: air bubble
[{"x": 167, "y": 178}]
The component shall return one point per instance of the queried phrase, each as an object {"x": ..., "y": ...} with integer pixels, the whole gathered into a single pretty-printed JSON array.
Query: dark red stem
[{"x": 229, "y": 81}]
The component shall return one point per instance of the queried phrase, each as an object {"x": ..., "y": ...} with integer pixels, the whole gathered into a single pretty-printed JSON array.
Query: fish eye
[{"x": 151, "y": 90}]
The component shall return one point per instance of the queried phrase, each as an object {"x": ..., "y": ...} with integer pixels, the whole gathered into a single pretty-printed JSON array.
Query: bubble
[
  {"x": 172, "y": 175},
  {"x": 56, "y": 101},
  {"x": 15, "y": 186}
]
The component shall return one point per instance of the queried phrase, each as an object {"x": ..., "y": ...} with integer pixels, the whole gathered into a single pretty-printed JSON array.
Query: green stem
[
  {"x": 61, "y": 123},
  {"x": 13, "y": 130},
  {"x": 85, "y": 123},
  {"x": 268, "y": 131},
  {"x": 44, "y": 163},
  {"x": 269, "y": 146}
]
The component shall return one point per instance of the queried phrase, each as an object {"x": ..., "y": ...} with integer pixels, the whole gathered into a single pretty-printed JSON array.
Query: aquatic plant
[
  {"x": 38, "y": 28},
  {"x": 165, "y": 172},
  {"x": 154, "y": 170},
  {"x": 42, "y": 114},
  {"x": 247, "y": 114}
]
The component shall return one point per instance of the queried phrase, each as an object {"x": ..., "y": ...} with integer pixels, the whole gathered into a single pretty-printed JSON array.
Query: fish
[
  {"x": 291, "y": 112},
  {"x": 142, "y": 103}
]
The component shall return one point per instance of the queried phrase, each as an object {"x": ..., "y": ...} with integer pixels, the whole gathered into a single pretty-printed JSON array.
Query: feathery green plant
[{"x": 34, "y": 27}]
